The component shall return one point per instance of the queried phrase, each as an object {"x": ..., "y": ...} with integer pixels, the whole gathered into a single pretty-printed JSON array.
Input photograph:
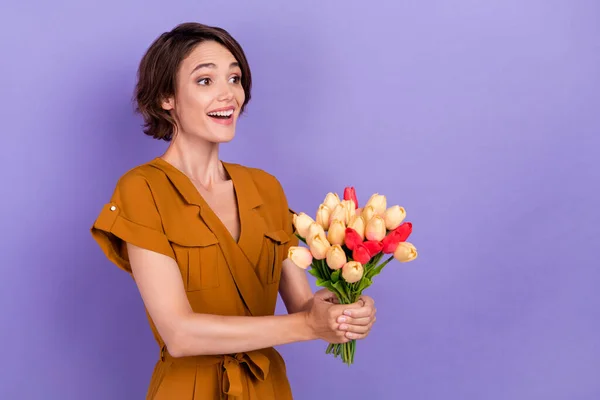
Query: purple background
[{"x": 478, "y": 117}]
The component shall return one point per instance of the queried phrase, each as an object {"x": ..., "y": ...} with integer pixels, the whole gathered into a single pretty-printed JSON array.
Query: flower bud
[
  {"x": 302, "y": 222},
  {"x": 405, "y": 252},
  {"x": 300, "y": 256},
  {"x": 350, "y": 209},
  {"x": 318, "y": 246},
  {"x": 368, "y": 212},
  {"x": 375, "y": 229},
  {"x": 393, "y": 217},
  {"x": 331, "y": 201},
  {"x": 314, "y": 230},
  {"x": 337, "y": 232},
  {"x": 336, "y": 257},
  {"x": 352, "y": 271},
  {"x": 339, "y": 213},
  {"x": 378, "y": 202},
  {"x": 323, "y": 215}
]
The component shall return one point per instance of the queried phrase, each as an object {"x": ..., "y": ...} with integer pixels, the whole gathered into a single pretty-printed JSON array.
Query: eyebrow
[{"x": 213, "y": 65}]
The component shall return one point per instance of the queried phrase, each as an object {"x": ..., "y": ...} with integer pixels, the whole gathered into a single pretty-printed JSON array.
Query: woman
[{"x": 206, "y": 241}]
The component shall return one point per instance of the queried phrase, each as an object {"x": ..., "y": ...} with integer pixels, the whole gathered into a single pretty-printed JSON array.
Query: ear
[{"x": 168, "y": 104}]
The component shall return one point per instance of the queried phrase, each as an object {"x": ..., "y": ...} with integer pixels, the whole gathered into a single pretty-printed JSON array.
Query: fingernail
[
  {"x": 343, "y": 327},
  {"x": 342, "y": 319},
  {"x": 350, "y": 335},
  {"x": 348, "y": 312}
]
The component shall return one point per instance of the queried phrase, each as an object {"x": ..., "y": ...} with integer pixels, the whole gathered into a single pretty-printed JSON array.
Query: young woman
[{"x": 206, "y": 241}]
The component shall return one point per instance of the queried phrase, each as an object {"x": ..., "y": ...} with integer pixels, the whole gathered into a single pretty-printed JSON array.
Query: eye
[
  {"x": 203, "y": 81},
  {"x": 235, "y": 79}
]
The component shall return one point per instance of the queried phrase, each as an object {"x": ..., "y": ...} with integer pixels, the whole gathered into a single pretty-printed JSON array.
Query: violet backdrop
[{"x": 480, "y": 118}]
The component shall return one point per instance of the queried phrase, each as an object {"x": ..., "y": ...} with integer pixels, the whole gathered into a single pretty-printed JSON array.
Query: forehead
[{"x": 208, "y": 52}]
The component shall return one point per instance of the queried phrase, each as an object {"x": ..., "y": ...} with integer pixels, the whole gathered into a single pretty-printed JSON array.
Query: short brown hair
[{"x": 157, "y": 72}]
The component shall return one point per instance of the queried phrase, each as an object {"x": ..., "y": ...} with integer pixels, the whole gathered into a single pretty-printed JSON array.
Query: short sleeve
[
  {"x": 130, "y": 216},
  {"x": 288, "y": 218}
]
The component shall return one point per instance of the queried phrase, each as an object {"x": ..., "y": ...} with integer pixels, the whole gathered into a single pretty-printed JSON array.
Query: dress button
[{"x": 113, "y": 208}]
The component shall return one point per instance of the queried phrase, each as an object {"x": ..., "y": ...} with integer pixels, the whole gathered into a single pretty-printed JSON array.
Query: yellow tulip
[
  {"x": 405, "y": 252},
  {"x": 349, "y": 208},
  {"x": 323, "y": 215},
  {"x": 358, "y": 224},
  {"x": 336, "y": 258},
  {"x": 302, "y": 222},
  {"x": 368, "y": 212},
  {"x": 393, "y": 217},
  {"x": 352, "y": 271},
  {"x": 300, "y": 256},
  {"x": 331, "y": 200},
  {"x": 319, "y": 245},
  {"x": 375, "y": 229},
  {"x": 339, "y": 213},
  {"x": 378, "y": 202},
  {"x": 337, "y": 232},
  {"x": 314, "y": 230}
]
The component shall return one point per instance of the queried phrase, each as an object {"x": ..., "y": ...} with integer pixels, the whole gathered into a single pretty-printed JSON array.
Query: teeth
[{"x": 221, "y": 113}]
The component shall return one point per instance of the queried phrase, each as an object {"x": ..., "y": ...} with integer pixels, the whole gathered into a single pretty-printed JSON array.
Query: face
[{"x": 209, "y": 94}]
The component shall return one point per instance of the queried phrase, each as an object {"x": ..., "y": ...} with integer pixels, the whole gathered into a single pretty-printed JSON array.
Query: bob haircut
[{"x": 157, "y": 72}]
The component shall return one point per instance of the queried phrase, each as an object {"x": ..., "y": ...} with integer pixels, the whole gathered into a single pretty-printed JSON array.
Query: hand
[
  {"x": 357, "y": 322},
  {"x": 322, "y": 317}
]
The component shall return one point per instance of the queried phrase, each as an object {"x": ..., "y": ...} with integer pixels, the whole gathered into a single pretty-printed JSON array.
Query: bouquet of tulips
[{"x": 346, "y": 245}]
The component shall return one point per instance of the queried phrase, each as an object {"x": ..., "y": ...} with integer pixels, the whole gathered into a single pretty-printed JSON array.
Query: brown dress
[{"x": 157, "y": 207}]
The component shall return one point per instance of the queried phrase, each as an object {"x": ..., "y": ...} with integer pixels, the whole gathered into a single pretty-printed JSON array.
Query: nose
[{"x": 225, "y": 92}]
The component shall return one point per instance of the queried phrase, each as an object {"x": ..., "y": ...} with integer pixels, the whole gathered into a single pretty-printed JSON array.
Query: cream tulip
[
  {"x": 331, "y": 200},
  {"x": 393, "y": 217},
  {"x": 300, "y": 256},
  {"x": 378, "y": 202},
  {"x": 339, "y": 213},
  {"x": 323, "y": 214},
  {"x": 368, "y": 212},
  {"x": 302, "y": 222},
  {"x": 314, "y": 230},
  {"x": 375, "y": 229},
  {"x": 358, "y": 224},
  {"x": 337, "y": 232},
  {"x": 405, "y": 252},
  {"x": 336, "y": 258},
  {"x": 352, "y": 271},
  {"x": 349, "y": 208},
  {"x": 319, "y": 246}
]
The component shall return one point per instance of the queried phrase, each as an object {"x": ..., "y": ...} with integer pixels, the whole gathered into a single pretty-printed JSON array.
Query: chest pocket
[
  {"x": 199, "y": 257},
  {"x": 274, "y": 248}
]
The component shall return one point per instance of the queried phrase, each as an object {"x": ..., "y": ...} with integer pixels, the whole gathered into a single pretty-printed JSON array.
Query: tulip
[
  {"x": 318, "y": 246},
  {"x": 300, "y": 256},
  {"x": 337, "y": 232},
  {"x": 302, "y": 222},
  {"x": 358, "y": 224},
  {"x": 352, "y": 239},
  {"x": 352, "y": 271},
  {"x": 331, "y": 201},
  {"x": 404, "y": 231},
  {"x": 375, "y": 229},
  {"x": 400, "y": 234},
  {"x": 361, "y": 253},
  {"x": 393, "y": 217},
  {"x": 378, "y": 202},
  {"x": 339, "y": 213},
  {"x": 367, "y": 213},
  {"x": 336, "y": 257},
  {"x": 350, "y": 209},
  {"x": 314, "y": 230},
  {"x": 373, "y": 246},
  {"x": 350, "y": 194},
  {"x": 323, "y": 215},
  {"x": 405, "y": 252}
]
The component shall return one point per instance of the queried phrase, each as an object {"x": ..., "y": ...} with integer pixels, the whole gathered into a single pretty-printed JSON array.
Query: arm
[
  {"x": 294, "y": 288},
  {"x": 187, "y": 333}
]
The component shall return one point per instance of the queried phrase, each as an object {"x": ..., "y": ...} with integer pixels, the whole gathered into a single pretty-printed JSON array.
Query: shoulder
[
  {"x": 268, "y": 185},
  {"x": 138, "y": 180}
]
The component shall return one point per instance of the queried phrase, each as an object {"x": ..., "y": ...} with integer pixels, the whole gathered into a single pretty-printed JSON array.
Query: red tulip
[
  {"x": 352, "y": 239},
  {"x": 373, "y": 246},
  {"x": 350, "y": 194},
  {"x": 400, "y": 234},
  {"x": 361, "y": 254}
]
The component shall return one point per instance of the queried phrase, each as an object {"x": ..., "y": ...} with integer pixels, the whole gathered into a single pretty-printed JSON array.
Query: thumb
[{"x": 325, "y": 295}]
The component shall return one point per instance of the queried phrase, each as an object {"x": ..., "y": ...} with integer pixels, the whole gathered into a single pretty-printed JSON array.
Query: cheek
[{"x": 240, "y": 95}]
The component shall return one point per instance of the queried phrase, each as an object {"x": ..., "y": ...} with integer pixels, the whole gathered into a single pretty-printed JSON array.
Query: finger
[
  {"x": 355, "y": 321},
  {"x": 355, "y": 328},
  {"x": 325, "y": 295},
  {"x": 360, "y": 312},
  {"x": 356, "y": 336},
  {"x": 367, "y": 300}
]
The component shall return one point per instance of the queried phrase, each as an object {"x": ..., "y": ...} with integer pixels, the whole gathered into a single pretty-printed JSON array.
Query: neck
[{"x": 197, "y": 158}]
